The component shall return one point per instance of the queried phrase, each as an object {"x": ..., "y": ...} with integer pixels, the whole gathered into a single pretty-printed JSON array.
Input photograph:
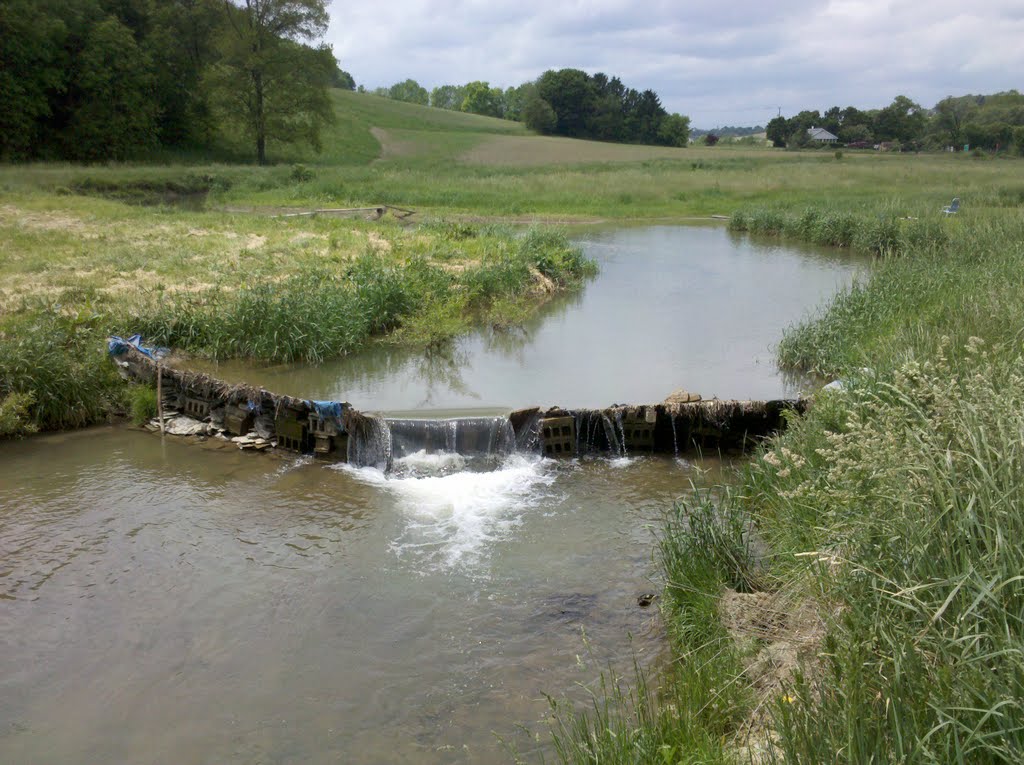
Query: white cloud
[{"x": 728, "y": 63}]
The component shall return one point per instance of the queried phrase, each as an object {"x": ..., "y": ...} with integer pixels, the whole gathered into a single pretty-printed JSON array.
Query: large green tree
[
  {"x": 116, "y": 116},
  {"x": 268, "y": 81},
  {"x": 31, "y": 72}
]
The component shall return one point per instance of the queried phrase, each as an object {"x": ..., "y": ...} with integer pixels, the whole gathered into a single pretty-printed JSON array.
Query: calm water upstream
[
  {"x": 673, "y": 307},
  {"x": 162, "y": 602}
]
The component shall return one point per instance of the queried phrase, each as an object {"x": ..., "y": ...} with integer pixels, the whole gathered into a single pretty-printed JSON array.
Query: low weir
[{"x": 337, "y": 431}]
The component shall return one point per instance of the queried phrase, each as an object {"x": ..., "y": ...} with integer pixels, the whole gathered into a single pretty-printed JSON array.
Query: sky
[{"x": 721, "y": 63}]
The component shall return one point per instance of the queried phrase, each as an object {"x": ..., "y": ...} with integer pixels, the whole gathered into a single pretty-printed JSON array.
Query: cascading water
[{"x": 389, "y": 442}]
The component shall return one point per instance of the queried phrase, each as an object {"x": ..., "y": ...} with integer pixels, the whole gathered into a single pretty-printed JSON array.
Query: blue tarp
[
  {"x": 329, "y": 410},
  {"x": 116, "y": 346}
]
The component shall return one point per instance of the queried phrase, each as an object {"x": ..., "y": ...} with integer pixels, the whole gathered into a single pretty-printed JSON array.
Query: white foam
[{"x": 452, "y": 517}]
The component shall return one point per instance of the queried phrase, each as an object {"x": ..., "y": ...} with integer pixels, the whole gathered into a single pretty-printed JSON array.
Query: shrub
[{"x": 142, "y": 404}]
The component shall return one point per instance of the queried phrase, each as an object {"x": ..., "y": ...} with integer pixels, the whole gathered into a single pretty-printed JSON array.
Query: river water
[
  {"x": 166, "y": 602},
  {"x": 673, "y": 307}
]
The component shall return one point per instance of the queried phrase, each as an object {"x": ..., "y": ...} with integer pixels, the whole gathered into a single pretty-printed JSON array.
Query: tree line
[
  {"x": 566, "y": 102},
  {"x": 978, "y": 121},
  {"x": 120, "y": 79}
]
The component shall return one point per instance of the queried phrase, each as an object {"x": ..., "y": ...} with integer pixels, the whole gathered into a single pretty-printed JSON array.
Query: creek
[{"x": 165, "y": 602}]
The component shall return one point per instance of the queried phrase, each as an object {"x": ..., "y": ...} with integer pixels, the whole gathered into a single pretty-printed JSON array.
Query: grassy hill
[{"x": 440, "y": 162}]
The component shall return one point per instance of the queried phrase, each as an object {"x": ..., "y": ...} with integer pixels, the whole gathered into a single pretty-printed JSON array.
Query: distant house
[{"x": 821, "y": 135}]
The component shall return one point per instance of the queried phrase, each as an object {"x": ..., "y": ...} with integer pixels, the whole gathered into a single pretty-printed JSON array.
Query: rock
[
  {"x": 185, "y": 426},
  {"x": 682, "y": 396},
  {"x": 264, "y": 426}
]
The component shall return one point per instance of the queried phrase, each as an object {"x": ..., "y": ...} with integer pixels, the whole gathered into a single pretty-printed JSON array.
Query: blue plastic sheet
[
  {"x": 117, "y": 346},
  {"x": 329, "y": 410}
]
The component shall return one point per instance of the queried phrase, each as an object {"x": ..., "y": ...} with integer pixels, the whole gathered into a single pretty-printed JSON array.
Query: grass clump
[
  {"x": 911, "y": 496},
  {"x": 53, "y": 363},
  {"x": 964, "y": 281},
  {"x": 142, "y": 404},
  {"x": 887, "y": 230},
  {"x": 14, "y": 415}
]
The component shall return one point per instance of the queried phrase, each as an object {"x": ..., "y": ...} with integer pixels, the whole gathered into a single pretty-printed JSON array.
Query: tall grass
[
  {"x": 912, "y": 490},
  {"x": 966, "y": 283},
  {"x": 53, "y": 362},
  {"x": 319, "y": 313},
  {"x": 887, "y": 230}
]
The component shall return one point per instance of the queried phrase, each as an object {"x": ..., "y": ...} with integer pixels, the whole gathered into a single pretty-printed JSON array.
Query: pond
[{"x": 171, "y": 602}]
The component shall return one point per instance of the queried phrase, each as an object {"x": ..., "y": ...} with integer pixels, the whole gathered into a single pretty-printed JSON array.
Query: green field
[{"x": 854, "y": 595}]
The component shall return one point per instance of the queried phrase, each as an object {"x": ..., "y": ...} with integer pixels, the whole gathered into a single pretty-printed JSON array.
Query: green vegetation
[
  {"x": 142, "y": 404},
  {"x": 854, "y": 595},
  {"x": 106, "y": 79},
  {"x": 993, "y": 122},
  {"x": 857, "y": 585}
]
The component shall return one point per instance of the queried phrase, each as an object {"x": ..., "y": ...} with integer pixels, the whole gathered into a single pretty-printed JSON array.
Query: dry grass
[{"x": 534, "y": 151}]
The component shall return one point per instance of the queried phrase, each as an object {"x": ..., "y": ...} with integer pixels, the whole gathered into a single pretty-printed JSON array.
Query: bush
[
  {"x": 14, "y": 415},
  {"x": 142, "y": 404}
]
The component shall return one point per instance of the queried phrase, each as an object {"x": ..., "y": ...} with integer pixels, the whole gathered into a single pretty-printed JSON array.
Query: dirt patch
[
  {"x": 779, "y": 634},
  {"x": 378, "y": 242},
  {"x": 526, "y": 151},
  {"x": 391, "y": 146},
  {"x": 44, "y": 221}
]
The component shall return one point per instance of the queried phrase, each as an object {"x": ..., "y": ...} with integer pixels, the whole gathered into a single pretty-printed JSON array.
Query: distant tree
[
  {"x": 854, "y": 133},
  {"x": 117, "y": 115},
  {"x": 674, "y": 130},
  {"x": 777, "y": 131},
  {"x": 902, "y": 120},
  {"x": 798, "y": 139},
  {"x": 409, "y": 91},
  {"x": 481, "y": 98},
  {"x": 31, "y": 72},
  {"x": 516, "y": 99},
  {"x": 710, "y": 139},
  {"x": 448, "y": 97},
  {"x": 951, "y": 114},
  {"x": 267, "y": 81},
  {"x": 341, "y": 79},
  {"x": 1018, "y": 139},
  {"x": 539, "y": 116},
  {"x": 572, "y": 96},
  {"x": 182, "y": 43}
]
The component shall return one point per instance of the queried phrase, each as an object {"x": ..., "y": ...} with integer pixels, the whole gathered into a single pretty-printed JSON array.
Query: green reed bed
[
  {"x": 423, "y": 288},
  {"x": 320, "y": 313},
  {"x": 909, "y": 494}
]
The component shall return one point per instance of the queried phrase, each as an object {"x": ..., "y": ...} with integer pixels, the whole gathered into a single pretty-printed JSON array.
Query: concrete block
[{"x": 558, "y": 436}]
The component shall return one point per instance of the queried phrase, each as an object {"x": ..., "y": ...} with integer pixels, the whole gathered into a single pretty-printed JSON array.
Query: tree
[
  {"x": 30, "y": 72},
  {"x": 539, "y": 116},
  {"x": 570, "y": 93},
  {"x": 951, "y": 114},
  {"x": 777, "y": 131},
  {"x": 341, "y": 79},
  {"x": 117, "y": 115},
  {"x": 481, "y": 98},
  {"x": 674, "y": 130},
  {"x": 409, "y": 91},
  {"x": 267, "y": 80},
  {"x": 710, "y": 139},
  {"x": 902, "y": 120},
  {"x": 448, "y": 97}
]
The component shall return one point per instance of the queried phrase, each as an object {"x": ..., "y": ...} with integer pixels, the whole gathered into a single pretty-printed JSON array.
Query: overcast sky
[{"x": 734, "y": 62}]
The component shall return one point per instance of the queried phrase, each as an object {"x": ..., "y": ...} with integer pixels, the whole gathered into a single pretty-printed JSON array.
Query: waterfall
[{"x": 391, "y": 439}]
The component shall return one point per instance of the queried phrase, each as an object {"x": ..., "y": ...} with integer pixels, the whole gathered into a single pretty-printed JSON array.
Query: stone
[
  {"x": 185, "y": 426},
  {"x": 682, "y": 396}
]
